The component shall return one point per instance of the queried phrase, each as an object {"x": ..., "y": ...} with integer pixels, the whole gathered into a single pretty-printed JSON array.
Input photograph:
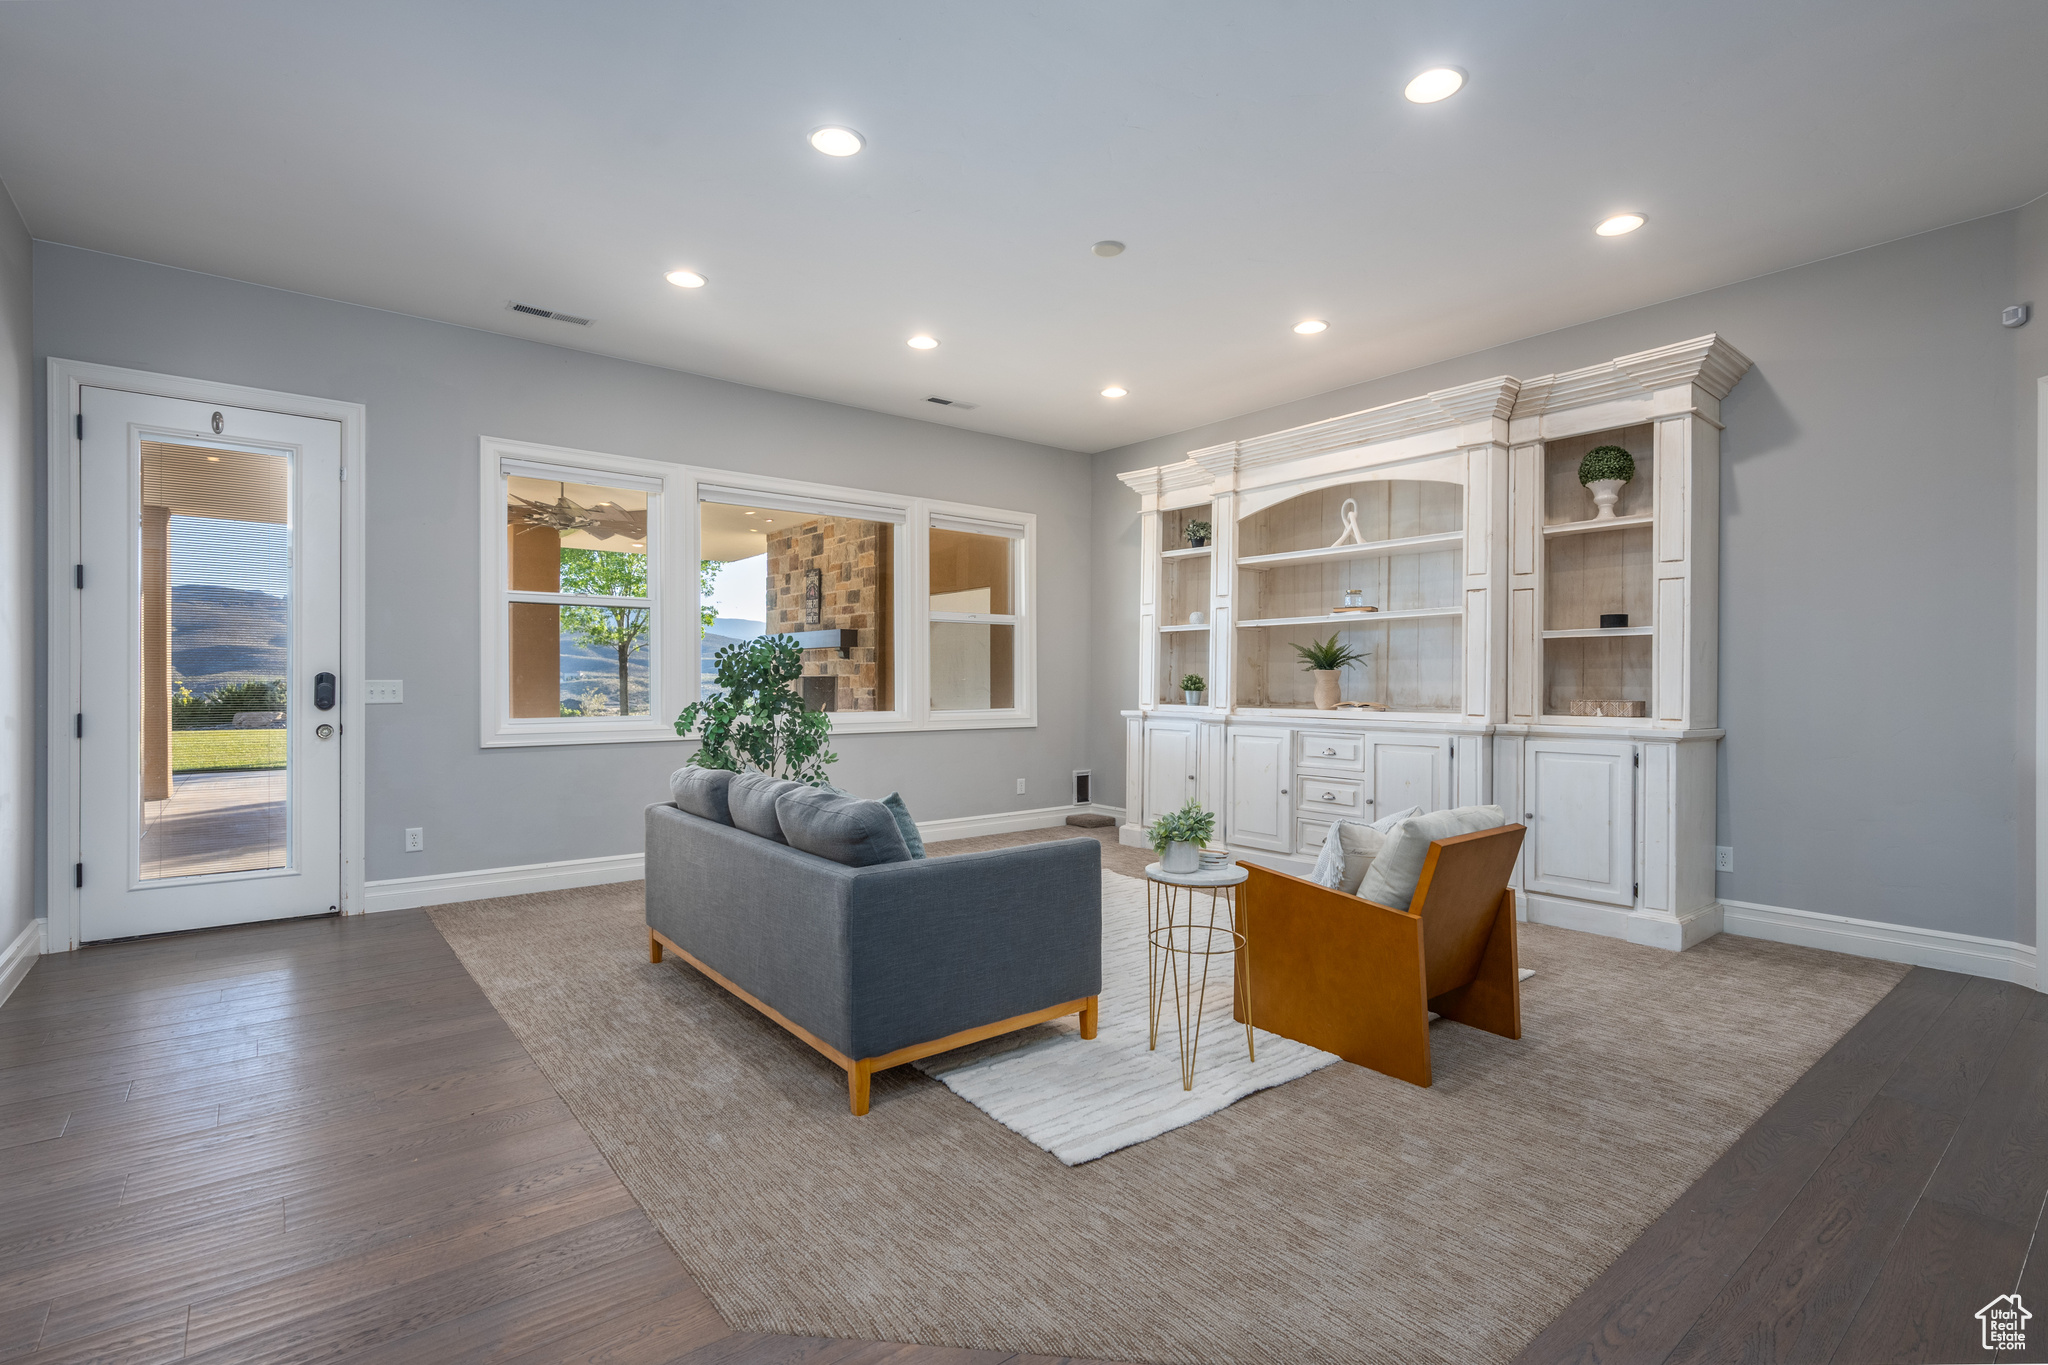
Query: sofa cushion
[
  {"x": 904, "y": 824},
  {"x": 701, "y": 791},
  {"x": 845, "y": 829},
  {"x": 1394, "y": 872},
  {"x": 1342, "y": 862},
  {"x": 751, "y": 798}
]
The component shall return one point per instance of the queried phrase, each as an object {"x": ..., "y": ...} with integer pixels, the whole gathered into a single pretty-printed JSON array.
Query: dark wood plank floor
[
  {"x": 318, "y": 1140},
  {"x": 1892, "y": 1192}
]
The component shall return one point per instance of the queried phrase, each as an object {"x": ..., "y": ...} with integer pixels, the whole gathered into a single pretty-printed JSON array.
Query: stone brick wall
[{"x": 854, "y": 557}]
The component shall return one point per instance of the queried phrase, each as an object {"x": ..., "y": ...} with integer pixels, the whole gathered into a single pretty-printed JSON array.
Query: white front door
[{"x": 209, "y": 715}]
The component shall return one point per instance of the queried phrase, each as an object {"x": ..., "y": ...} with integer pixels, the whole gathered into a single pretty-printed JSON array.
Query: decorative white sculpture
[{"x": 1350, "y": 535}]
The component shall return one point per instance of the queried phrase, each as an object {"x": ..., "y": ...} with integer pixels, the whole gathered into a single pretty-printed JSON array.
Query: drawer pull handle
[
  {"x": 1329, "y": 796},
  {"x": 1329, "y": 753}
]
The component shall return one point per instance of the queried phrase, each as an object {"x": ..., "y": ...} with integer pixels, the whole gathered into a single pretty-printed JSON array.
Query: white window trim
[
  {"x": 911, "y": 605},
  {"x": 674, "y": 540},
  {"x": 671, "y": 664}
]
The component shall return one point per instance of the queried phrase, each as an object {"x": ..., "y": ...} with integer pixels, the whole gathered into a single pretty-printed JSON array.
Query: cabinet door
[
  {"x": 1412, "y": 771},
  {"x": 1581, "y": 818},
  {"x": 1171, "y": 754},
  {"x": 1259, "y": 805}
]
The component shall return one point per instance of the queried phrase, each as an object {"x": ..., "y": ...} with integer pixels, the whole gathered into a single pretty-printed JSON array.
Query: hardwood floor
[
  {"x": 1892, "y": 1192},
  {"x": 318, "y": 1140}
]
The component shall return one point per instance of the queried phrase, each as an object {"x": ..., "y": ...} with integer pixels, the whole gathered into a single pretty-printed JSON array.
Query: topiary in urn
[{"x": 1603, "y": 471}]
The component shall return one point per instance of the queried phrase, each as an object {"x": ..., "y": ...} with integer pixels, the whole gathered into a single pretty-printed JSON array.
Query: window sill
[{"x": 659, "y": 732}]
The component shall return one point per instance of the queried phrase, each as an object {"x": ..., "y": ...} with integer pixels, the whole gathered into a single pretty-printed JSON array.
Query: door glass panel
[{"x": 213, "y": 748}]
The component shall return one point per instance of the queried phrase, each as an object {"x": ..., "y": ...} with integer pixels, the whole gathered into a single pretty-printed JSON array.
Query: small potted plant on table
[
  {"x": 1325, "y": 659},
  {"x": 1178, "y": 836},
  {"x": 1605, "y": 471},
  {"x": 1192, "y": 687}
]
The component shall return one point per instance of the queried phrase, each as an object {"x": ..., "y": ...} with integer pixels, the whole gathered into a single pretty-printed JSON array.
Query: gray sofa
[{"x": 877, "y": 964}]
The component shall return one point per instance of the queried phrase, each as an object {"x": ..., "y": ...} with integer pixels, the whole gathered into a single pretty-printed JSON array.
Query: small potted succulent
[
  {"x": 1325, "y": 659},
  {"x": 1198, "y": 534},
  {"x": 1604, "y": 471},
  {"x": 1192, "y": 686},
  {"x": 1178, "y": 837}
]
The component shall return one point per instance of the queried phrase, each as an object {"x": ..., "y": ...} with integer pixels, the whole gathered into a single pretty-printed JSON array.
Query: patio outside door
[{"x": 210, "y": 658}]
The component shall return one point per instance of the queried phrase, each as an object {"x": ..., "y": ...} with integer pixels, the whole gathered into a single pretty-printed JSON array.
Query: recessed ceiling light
[
  {"x": 213, "y": 459},
  {"x": 1437, "y": 83},
  {"x": 921, "y": 342},
  {"x": 1108, "y": 248},
  {"x": 685, "y": 279},
  {"x": 1620, "y": 223},
  {"x": 750, "y": 514},
  {"x": 1311, "y": 327},
  {"x": 1115, "y": 391},
  {"x": 836, "y": 141}
]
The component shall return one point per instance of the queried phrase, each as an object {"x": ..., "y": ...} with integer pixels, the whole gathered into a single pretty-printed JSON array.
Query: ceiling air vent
[
  {"x": 533, "y": 312},
  {"x": 953, "y": 403}
]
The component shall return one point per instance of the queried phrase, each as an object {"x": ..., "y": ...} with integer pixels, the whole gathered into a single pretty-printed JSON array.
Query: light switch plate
[{"x": 383, "y": 690}]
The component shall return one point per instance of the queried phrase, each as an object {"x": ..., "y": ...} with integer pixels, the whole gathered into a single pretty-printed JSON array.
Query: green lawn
[{"x": 204, "y": 751}]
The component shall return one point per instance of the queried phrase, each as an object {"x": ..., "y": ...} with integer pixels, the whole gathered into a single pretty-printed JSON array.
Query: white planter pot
[
  {"x": 1327, "y": 695},
  {"x": 1192, "y": 698},
  {"x": 1181, "y": 857},
  {"x": 1606, "y": 492}
]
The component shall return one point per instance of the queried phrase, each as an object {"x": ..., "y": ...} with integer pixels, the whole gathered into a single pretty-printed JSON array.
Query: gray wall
[
  {"x": 18, "y": 669},
  {"x": 431, "y": 390},
  {"x": 1875, "y": 547}
]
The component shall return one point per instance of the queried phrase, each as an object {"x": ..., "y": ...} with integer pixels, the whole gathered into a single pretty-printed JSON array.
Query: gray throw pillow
[
  {"x": 904, "y": 824},
  {"x": 845, "y": 829},
  {"x": 702, "y": 792},
  {"x": 751, "y": 799},
  {"x": 1392, "y": 878}
]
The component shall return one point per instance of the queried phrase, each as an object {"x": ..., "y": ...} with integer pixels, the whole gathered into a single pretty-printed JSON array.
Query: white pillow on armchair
[
  {"x": 1349, "y": 848},
  {"x": 1394, "y": 872}
]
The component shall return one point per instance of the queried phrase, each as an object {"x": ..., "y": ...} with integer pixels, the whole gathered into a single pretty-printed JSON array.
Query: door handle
[
  {"x": 1368, "y": 800},
  {"x": 325, "y": 732},
  {"x": 323, "y": 691},
  {"x": 1531, "y": 815}
]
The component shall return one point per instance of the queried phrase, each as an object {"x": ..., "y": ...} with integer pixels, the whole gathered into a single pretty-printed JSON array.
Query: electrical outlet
[
  {"x": 1020, "y": 786},
  {"x": 415, "y": 840},
  {"x": 383, "y": 690},
  {"x": 1724, "y": 859}
]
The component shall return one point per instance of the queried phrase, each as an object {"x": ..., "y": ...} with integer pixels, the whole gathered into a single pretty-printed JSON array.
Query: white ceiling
[{"x": 443, "y": 158}]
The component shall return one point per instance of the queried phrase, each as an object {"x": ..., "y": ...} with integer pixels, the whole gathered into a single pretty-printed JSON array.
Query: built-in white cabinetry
[{"x": 1446, "y": 541}]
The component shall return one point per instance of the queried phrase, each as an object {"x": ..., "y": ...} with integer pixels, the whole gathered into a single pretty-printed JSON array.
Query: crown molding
[
  {"x": 1487, "y": 399},
  {"x": 1706, "y": 362}
]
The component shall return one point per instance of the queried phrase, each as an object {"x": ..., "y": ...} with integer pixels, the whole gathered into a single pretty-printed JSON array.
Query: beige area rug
[{"x": 1343, "y": 1216}]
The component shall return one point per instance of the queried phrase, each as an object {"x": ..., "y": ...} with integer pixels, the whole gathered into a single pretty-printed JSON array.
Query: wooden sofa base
[{"x": 860, "y": 1070}]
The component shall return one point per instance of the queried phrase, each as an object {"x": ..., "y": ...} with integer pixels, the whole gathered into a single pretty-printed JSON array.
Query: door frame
[{"x": 66, "y": 378}]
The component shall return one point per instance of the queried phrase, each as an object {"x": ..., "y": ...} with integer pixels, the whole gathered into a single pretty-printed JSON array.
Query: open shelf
[
  {"x": 1376, "y": 549},
  {"x": 1579, "y": 528},
  {"x": 1598, "y": 633},
  {"x": 1164, "y": 629},
  {"x": 1186, "y": 552},
  {"x": 1354, "y": 618}
]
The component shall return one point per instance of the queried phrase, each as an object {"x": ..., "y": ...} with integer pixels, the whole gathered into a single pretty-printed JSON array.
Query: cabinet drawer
[
  {"x": 1330, "y": 794},
  {"x": 1342, "y": 753},
  {"x": 1309, "y": 836}
]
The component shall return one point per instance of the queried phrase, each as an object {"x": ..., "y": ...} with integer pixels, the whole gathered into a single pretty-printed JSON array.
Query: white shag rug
[{"x": 1082, "y": 1100}]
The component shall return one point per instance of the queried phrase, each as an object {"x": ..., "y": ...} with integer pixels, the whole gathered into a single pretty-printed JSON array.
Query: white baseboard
[
  {"x": 20, "y": 955},
  {"x": 445, "y": 888},
  {"x": 1007, "y": 822},
  {"x": 1998, "y": 959}
]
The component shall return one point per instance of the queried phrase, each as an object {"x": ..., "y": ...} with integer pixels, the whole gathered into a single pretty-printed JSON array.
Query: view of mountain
[{"x": 225, "y": 635}]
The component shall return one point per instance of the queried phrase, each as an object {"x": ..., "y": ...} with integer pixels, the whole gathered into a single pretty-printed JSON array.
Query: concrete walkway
[{"x": 216, "y": 822}]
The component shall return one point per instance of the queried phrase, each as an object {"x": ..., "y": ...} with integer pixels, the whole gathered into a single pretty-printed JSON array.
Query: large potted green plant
[
  {"x": 1177, "y": 837},
  {"x": 1325, "y": 659},
  {"x": 757, "y": 721},
  {"x": 1604, "y": 471}
]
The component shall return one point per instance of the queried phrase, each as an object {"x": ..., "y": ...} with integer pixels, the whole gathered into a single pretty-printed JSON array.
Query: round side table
[{"x": 1179, "y": 944}]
